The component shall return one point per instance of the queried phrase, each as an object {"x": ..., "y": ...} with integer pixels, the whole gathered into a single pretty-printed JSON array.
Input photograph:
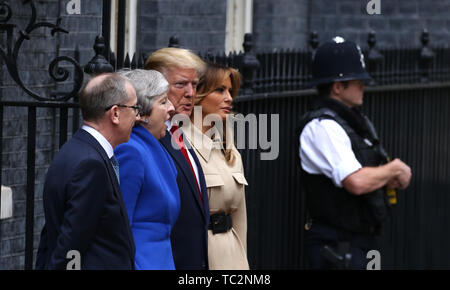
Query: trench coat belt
[{"x": 220, "y": 223}]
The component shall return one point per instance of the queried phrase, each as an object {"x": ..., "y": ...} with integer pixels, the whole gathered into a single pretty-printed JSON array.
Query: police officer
[{"x": 345, "y": 169}]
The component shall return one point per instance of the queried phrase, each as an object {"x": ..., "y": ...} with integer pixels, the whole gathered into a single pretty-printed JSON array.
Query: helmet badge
[{"x": 338, "y": 39}]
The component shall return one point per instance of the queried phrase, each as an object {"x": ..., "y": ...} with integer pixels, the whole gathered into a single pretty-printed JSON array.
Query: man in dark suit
[
  {"x": 189, "y": 236},
  {"x": 83, "y": 206}
]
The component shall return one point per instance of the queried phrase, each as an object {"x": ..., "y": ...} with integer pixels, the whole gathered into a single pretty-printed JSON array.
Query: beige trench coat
[{"x": 226, "y": 193}]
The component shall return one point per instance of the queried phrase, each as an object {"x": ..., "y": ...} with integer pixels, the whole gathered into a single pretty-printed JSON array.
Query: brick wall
[
  {"x": 283, "y": 24},
  {"x": 199, "y": 24},
  {"x": 280, "y": 24},
  {"x": 400, "y": 22},
  {"x": 286, "y": 24},
  {"x": 35, "y": 56}
]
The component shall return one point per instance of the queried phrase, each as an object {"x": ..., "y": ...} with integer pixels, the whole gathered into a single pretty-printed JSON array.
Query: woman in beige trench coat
[{"x": 222, "y": 166}]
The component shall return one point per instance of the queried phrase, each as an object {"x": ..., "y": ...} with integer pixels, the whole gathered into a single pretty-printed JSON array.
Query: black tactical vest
[{"x": 335, "y": 206}]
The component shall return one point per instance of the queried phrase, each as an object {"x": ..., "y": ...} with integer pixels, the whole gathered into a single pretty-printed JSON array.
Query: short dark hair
[{"x": 109, "y": 91}]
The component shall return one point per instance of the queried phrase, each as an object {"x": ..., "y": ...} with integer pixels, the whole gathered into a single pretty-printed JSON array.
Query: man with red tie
[{"x": 182, "y": 69}]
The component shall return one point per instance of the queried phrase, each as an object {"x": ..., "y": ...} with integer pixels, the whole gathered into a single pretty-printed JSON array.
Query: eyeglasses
[{"x": 136, "y": 109}]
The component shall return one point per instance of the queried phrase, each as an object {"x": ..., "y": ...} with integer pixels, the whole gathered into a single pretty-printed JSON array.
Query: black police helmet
[{"x": 336, "y": 61}]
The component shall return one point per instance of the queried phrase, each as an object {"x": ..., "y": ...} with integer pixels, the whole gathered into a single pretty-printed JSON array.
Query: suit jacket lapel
[
  {"x": 202, "y": 185},
  {"x": 193, "y": 134},
  {"x": 82, "y": 134},
  {"x": 178, "y": 157}
]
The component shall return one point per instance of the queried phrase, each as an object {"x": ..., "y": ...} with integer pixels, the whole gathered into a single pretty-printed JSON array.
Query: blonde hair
[
  {"x": 168, "y": 58},
  {"x": 209, "y": 82}
]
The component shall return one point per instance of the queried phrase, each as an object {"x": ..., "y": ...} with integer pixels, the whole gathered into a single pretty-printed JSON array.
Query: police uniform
[{"x": 334, "y": 142}]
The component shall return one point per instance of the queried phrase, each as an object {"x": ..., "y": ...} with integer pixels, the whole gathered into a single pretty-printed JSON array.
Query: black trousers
[{"x": 320, "y": 235}]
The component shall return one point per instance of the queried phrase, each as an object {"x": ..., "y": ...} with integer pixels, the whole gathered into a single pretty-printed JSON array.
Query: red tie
[{"x": 179, "y": 139}]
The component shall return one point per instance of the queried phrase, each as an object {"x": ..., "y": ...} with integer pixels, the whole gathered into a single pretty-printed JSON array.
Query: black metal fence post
[
  {"x": 313, "y": 43},
  {"x": 374, "y": 57},
  {"x": 112, "y": 60},
  {"x": 174, "y": 42},
  {"x": 98, "y": 63},
  {"x": 76, "y": 111},
  {"x": 426, "y": 56},
  {"x": 31, "y": 157},
  {"x": 121, "y": 33},
  {"x": 106, "y": 26},
  {"x": 249, "y": 65},
  {"x": 63, "y": 124}
]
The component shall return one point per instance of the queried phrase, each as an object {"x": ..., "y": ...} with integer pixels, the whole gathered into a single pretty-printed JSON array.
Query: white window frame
[
  {"x": 239, "y": 22},
  {"x": 130, "y": 27},
  {"x": 113, "y": 27}
]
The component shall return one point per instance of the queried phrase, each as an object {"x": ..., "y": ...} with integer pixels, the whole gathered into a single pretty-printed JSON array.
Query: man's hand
[
  {"x": 402, "y": 174},
  {"x": 393, "y": 184}
]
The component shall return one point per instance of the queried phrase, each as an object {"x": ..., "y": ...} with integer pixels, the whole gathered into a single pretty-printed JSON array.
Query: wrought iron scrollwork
[
  {"x": 5, "y": 12},
  {"x": 60, "y": 74},
  {"x": 9, "y": 57}
]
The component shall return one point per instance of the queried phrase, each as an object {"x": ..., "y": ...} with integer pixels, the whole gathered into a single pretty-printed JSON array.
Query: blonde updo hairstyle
[{"x": 149, "y": 86}]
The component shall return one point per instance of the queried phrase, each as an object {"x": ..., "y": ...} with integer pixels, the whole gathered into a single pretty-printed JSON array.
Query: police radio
[{"x": 391, "y": 193}]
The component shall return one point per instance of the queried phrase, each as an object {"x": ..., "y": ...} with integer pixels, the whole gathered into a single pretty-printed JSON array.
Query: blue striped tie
[{"x": 115, "y": 165}]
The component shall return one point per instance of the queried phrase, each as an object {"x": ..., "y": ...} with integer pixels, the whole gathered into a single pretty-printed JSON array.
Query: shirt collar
[
  {"x": 169, "y": 124},
  {"x": 200, "y": 141},
  {"x": 100, "y": 139}
]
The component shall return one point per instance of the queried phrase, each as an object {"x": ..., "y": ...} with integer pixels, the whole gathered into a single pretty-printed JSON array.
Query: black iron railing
[{"x": 288, "y": 70}]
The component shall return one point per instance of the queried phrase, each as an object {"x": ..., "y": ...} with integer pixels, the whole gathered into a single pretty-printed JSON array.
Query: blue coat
[
  {"x": 84, "y": 210},
  {"x": 148, "y": 179}
]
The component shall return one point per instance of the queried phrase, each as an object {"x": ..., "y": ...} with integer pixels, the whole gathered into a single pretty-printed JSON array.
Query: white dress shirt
[
  {"x": 186, "y": 142},
  {"x": 325, "y": 148},
  {"x": 101, "y": 139}
]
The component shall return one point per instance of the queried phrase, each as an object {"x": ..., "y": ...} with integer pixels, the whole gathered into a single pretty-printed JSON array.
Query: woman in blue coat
[{"x": 148, "y": 175}]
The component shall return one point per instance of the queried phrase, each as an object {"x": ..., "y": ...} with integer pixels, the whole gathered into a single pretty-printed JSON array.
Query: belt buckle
[{"x": 219, "y": 224}]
